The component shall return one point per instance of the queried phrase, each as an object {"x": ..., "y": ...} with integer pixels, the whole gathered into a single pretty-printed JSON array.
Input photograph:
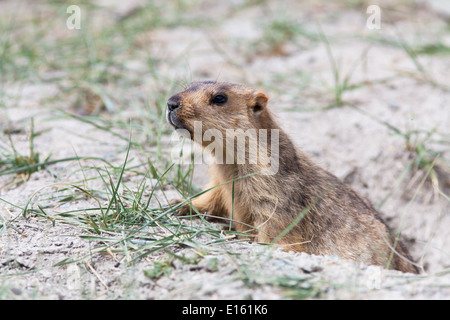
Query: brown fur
[{"x": 331, "y": 218}]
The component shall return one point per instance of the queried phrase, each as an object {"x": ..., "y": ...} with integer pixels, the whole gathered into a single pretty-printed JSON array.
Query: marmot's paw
[{"x": 183, "y": 210}]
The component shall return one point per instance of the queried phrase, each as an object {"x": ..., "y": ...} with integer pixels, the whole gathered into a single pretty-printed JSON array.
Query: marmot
[{"x": 297, "y": 205}]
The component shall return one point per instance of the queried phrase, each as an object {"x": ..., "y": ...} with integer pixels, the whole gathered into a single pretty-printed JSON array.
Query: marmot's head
[{"x": 217, "y": 105}]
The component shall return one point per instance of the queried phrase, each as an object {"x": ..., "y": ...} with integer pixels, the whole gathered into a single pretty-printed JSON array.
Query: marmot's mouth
[{"x": 173, "y": 120}]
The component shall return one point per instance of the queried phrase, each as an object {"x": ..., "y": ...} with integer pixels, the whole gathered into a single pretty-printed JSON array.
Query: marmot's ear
[{"x": 259, "y": 102}]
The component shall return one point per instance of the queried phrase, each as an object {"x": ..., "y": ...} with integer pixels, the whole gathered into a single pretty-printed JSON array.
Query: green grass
[
  {"x": 21, "y": 166},
  {"x": 14, "y": 162},
  {"x": 341, "y": 81},
  {"x": 124, "y": 222}
]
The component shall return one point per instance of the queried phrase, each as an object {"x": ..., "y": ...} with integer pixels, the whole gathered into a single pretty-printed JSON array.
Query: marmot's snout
[{"x": 173, "y": 105}]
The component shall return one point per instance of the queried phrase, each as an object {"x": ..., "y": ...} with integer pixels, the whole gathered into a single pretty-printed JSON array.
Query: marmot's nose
[{"x": 173, "y": 104}]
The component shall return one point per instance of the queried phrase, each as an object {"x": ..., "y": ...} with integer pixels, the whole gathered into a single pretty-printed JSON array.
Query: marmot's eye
[{"x": 219, "y": 99}]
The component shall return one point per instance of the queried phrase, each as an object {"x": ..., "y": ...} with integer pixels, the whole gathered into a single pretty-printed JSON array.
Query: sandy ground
[{"x": 353, "y": 141}]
